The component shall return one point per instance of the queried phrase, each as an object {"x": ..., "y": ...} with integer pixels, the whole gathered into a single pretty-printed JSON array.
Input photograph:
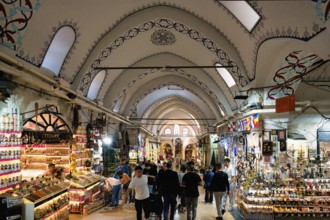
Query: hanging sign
[{"x": 286, "y": 104}]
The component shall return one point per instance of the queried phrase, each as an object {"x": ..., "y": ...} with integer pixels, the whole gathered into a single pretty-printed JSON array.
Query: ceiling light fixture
[{"x": 240, "y": 96}]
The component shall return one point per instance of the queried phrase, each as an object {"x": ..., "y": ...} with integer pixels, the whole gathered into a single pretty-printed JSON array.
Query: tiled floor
[{"x": 127, "y": 212}]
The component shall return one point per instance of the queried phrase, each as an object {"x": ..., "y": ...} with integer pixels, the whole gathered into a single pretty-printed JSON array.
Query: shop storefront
[
  {"x": 281, "y": 174},
  {"x": 29, "y": 189}
]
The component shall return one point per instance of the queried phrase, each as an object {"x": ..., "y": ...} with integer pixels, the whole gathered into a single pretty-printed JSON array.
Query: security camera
[{"x": 71, "y": 95}]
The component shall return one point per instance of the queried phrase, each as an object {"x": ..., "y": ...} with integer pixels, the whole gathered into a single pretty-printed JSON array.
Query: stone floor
[{"x": 127, "y": 212}]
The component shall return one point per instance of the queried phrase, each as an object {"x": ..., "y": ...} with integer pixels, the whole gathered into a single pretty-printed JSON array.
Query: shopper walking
[
  {"x": 230, "y": 170},
  {"x": 151, "y": 176},
  {"x": 119, "y": 168},
  {"x": 219, "y": 186},
  {"x": 170, "y": 187},
  {"x": 191, "y": 181},
  {"x": 125, "y": 180},
  {"x": 159, "y": 195},
  {"x": 207, "y": 177},
  {"x": 182, "y": 206},
  {"x": 115, "y": 185},
  {"x": 140, "y": 184}
]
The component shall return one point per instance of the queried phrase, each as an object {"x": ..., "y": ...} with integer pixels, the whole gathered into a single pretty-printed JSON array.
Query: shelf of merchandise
[
  {"x": 31, "y": 209},
  {"x": 3, "y": 189},
  {"x": 78, "y": 151},
  {"x": 10, "y": 173},
  {"x": 45, "y": 157},
  {"x": 83, "y": 196},
  {"x": 9, "y": 159},
  {"x": 54, "y": 214},
  {"x": 280, "y": 203}
]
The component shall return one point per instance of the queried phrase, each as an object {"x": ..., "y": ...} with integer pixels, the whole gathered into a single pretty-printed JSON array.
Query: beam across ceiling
[
  {"x": 165, "y": 67},
  {"x": 181, "y": 119}
]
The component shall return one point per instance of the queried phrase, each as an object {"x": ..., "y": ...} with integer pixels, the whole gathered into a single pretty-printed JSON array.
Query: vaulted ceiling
[{"x": 130, "y": 33}]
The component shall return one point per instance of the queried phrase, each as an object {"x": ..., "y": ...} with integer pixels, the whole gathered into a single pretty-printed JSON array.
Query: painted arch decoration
[
  {"x": 168, "y": 24},
  {"x": 289, "y": 75},
  {"x": 15, "y": 17}
]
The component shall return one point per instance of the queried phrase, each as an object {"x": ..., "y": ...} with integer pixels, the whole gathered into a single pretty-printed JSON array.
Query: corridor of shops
[{"x": 115, "y": 109}]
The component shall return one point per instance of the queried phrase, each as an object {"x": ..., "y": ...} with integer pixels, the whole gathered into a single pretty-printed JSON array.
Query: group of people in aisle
[{"x": 157, "y": 189}]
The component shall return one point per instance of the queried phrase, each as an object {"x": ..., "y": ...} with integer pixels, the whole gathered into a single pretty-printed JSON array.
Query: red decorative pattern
[
  {"x": 296, "y": 65},
  {"x": 14, "y": 20}
]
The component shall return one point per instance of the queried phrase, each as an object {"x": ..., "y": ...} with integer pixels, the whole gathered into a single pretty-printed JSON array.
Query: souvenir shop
[
  {"x": 46, "y": 166},
  {"x": 280, "y": 173}
]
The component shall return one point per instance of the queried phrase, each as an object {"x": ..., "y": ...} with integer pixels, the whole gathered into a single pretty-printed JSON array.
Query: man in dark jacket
[
  {"x": 191, "y": 181},
  {"x": 219, "y": 186},
  {"x": 151, "y": 176},
  {"x": 169, "y": 187},
  {"x": 207, "y": 177}
]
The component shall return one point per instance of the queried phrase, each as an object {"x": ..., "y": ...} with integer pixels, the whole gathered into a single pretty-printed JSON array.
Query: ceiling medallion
[{"x": 163, "y": 37}]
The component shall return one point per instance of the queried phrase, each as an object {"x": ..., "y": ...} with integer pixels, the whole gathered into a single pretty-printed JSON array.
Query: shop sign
[
  {"x": 49, "y": 137},
  {"x": 286, "y": 104}
]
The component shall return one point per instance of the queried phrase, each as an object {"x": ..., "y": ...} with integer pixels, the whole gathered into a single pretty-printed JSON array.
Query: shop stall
[
  {"x": 10, "y": 153},
  {"x": 288, "y": 180},
  {"x": 46, "y": 139},
  {"x": 85, "y": 194},
  {"x": 10, "y": 165},
  {"x": 80, "y": 156},
  {"x": 45, "y": 198}
]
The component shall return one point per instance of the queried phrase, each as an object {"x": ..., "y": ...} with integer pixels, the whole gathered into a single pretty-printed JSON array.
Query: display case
[
  {"x": 45, "y": 198},
  {"x": 38, "y": 156},
  {"x": 80, "y": 154},
  {"x": 10, "y": 154},
  {"x": 293, "y": 199},
  {"x": 46, "y": 139},
  {"x": 85, "y": 194}
]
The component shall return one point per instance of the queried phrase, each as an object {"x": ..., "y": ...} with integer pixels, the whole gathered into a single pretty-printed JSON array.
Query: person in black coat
[
  {"x": 219, "y": 186},
  {"x": 170, "y": 187}
]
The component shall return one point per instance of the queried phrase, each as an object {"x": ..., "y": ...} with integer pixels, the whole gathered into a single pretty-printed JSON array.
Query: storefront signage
[
  {"x": 47, "y": 137},
  {"x": 245, "y": 124},
  {"x": 286, "y": 104}
]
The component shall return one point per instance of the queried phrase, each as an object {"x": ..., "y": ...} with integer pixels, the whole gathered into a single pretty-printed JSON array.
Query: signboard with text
[{"x": 286, "y": 104}]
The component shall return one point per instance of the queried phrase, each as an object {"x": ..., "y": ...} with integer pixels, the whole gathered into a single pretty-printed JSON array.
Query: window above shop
[
  {"x": 226, "y": 76},
  {"x": 176, "y": 129},
  {"x": 168, "y": 131},
  {"x": 58, "y": 49},
  {"x": 96, "y": 85},
  {"x": 185, "y": 131},
  {"x": 244, "y": 12}
]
